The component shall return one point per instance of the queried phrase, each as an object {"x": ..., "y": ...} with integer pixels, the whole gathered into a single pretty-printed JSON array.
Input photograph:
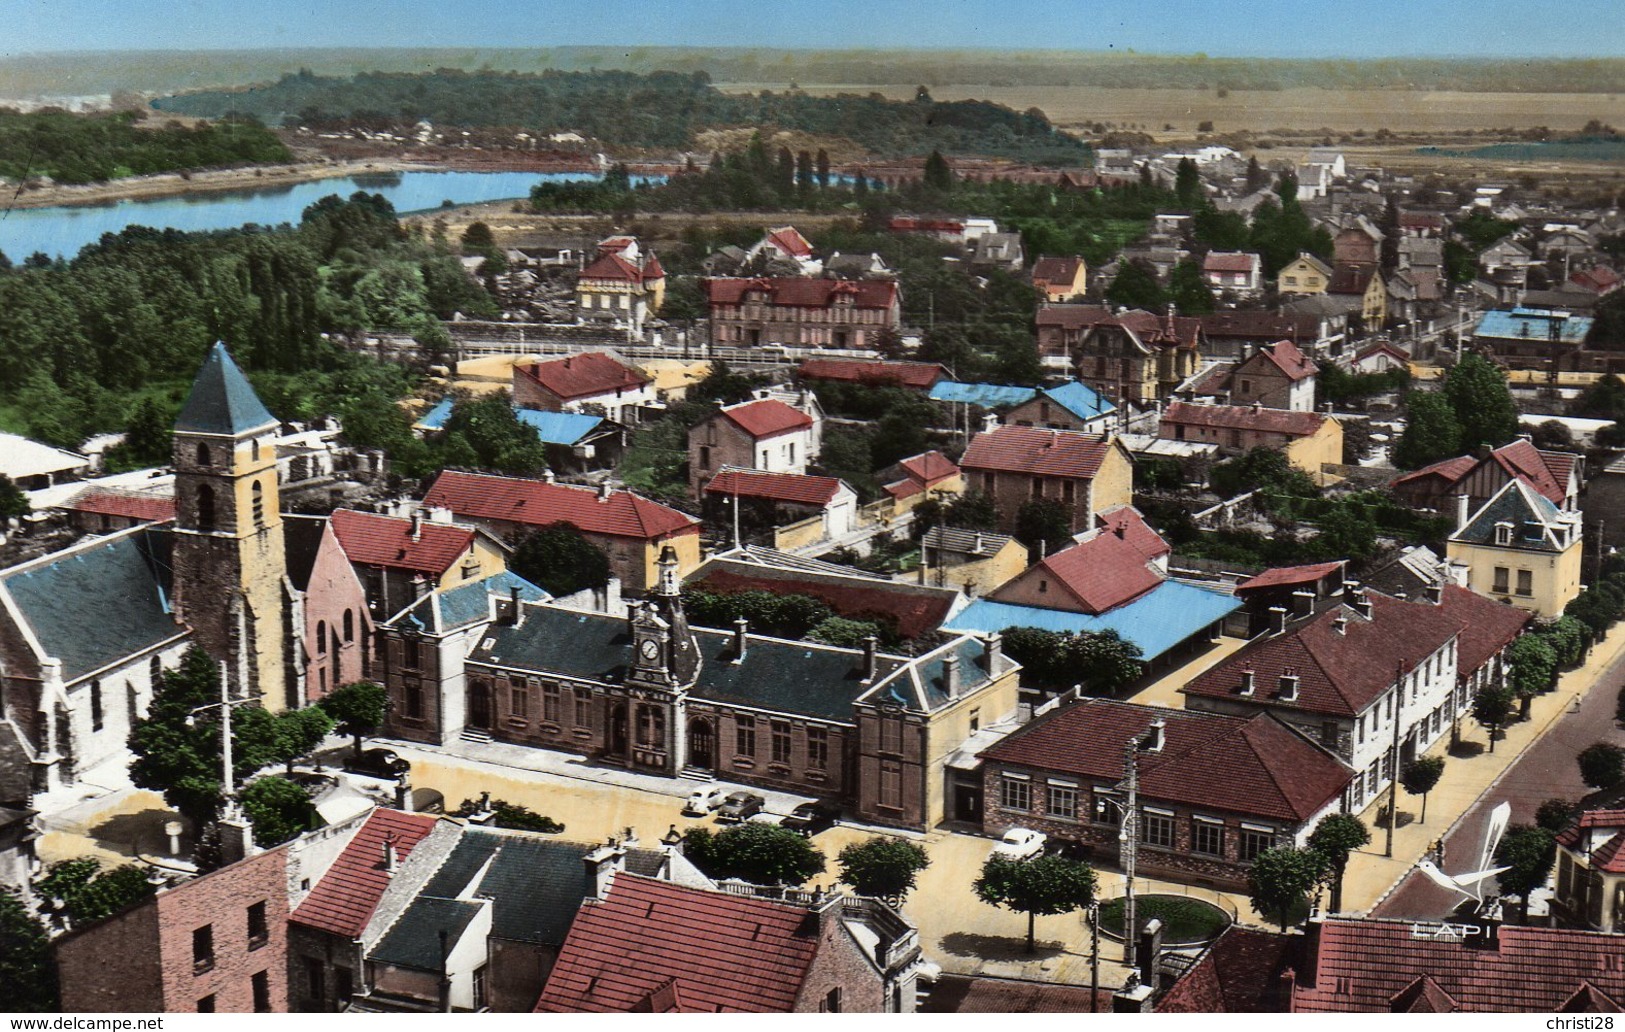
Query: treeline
[
  {"x": 79, "y": 149},
  {"x": 660, "y": 109},
  {"x": 81, "y": 340}
]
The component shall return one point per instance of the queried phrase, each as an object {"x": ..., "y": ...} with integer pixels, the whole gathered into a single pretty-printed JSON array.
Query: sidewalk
[
  {"x": 1371, "y": 877},
  {"x": 1165, "y": 690}
]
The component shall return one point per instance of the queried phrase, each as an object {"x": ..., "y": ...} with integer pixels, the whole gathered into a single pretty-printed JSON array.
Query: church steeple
[
  {"x": 664, "y": 650},
  {"x": 229, "y": 557}
]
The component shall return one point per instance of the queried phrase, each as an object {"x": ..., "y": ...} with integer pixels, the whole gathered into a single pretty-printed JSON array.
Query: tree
[
  {"x": 1555, "y": 814},
  {"x": 357, "y": 709},
  {"x": 1044, "y": 525},
  {"x": 1602, "y": 764},
  {"x": 1419, "y": 777},
  {"x": 1533, "y": 665},
  {"x": 1102, "y": 663},
  {"x": 1492, "y": 707},
  {"x": 175, "y": 757},
  {"x": 295, "y": 734},
  {"x": 1262, "y": 468},
  {"x": 1046, "y": 885},
  {"x": 559, "y": 560},
  {"x": 13, "y": 503},
  {"x": 973, "y": 510},
  {"x": 821, "y": 164},
  {"x": 1553, "y": 436},
  {"x": 762, "y": 853},
  {"x": 147, "y": 437},
  {"x": 27, "y": 964},
  {"x": 478, "y": 239},
  {"x": 1187, "y": 183},
  {"x": 882, "y": 866},
  {"x": 1527, "y": 852},
  {"x": 278, "y": 809},
  {"x": 938, "y": 175},
  {"x": 1187, "y": 290},
  {"x": 1477, "y": 390},
  {"x": 1136, "y": 286},
  {"x": 510, "y": 815},
  {"x": 1257, "y": 177},
  {"x": 1568, "y": 638},
  {"x": 1334, "y": 838},
  {"x": 844, "y": 633},
  {"x": 1432, "y": 431},
  {"x": 1281, "y": 878},
  {"x": 88, "y": 893}
]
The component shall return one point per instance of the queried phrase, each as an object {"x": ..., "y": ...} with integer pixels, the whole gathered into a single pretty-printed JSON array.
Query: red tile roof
[
  {"x": 1351, "y": 279},
  {"x": 1573, "y": 836},
  {"x": 1547, "y": 472},
  {"x": 1056, "y": 271},
  {"x": 767, "y": 418},
  {"x": 801, "y": 292},
  {"x": 1238, "y": 974},
  {"x": 537, "y": 503},
  {"x": 921, "y": 472},
  {"x": 712, "y": 951},
  {"x": 1448, "y": 470},
  {"x": 1253, "y": 766},
  {"x": 1290, "y": 360},
  {"x": 1259, "y": 325},
  {"x": 789, "y": 240},
  {"x": 1339, "y": 673},
  {"x": 586, "y": 375},
  {"x": 1243, "y": 417},
  {"x": 1148, "y": 326},
  {"x": 1099, "y": 574},
  {"x": 1421, "y": 219},
  {"x": 1230, "y": 261},
  {"x": 793, "y": 488},
  {"x": 1381, "y": 348},
  {"x": 1368, "y": 966},
  {"x": 1600, "y": 278},
  {"x": 343, "y": 901},
  {"x": 152, "y": 508},
  {"x": 1126, "y": 522},
  {"x": 911, "y": 224},
  {"x": 1025, "y": 449},
  {"x": 376, "y": 540},
  {"x": 1283, "y": 576},
  {"x": 1490, "y": 626},
  {"x": 921, "y": 376},
  {"x": 609, "y": 265}
]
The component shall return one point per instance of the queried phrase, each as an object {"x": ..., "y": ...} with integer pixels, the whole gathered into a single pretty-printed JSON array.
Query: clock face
[{"x": 650, "y": 648}]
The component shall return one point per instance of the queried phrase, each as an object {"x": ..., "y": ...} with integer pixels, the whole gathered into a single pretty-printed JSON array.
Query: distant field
[{"x": 1263, "y": 110}]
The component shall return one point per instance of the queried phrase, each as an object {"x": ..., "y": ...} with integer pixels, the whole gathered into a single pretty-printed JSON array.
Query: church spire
[{"x": 222, "y": 402}]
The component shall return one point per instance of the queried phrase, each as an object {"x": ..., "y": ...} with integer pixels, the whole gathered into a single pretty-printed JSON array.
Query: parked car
[
  {"x": 1020, "y": 844},
  {"x": 811, "y": 818},
  {"x": 702, "y": 801},
  {"x": 740, "y": 806},
  {"x": 378, "y": 763}
]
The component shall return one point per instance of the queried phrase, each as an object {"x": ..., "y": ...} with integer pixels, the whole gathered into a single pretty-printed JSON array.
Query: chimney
[
  {"x": 1303, "y": 603},
  {"x": 1258, "y": 406},
  {"x": 1340, "y": 622},
  {"x": 548, "y": 477},
  {"x": 391, "y": 854},
  {"x": 871, "y": 659},
  {"x": 236, "y": 839},
  {"x": 403, "y": 795},
  {"x": 952, "y": 679},
  {"x": 604, "y": 491},
  {"x": 990, "y": 422},
  {"x": 601, "y": 865},
  {"x": 741, "y": 638},
  {"x": 417, "y": 525},
  {"x": 1461, "y": 511},
  {"x": 994, "y": 651},
  {"x": 1362, "y": 604},
  {"x": 1147, "y": 948},
  {"x": 420, "y": 585},
  {"x": 1155, "y": 735},
  {"x": 1289, "y": 685},
  {"x": 1248, "y": 680},
  {"x": 1277, "y": 619},
  {"x": 1134, "y": 998},
  {"x": 976, "y": 549}
]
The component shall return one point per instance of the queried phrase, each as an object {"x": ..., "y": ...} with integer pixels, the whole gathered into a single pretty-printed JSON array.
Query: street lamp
[{"x": 224, "y": 706}]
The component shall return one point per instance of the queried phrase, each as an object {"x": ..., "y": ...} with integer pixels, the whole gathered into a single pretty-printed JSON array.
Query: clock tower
[{"x": 665, "y": 664}]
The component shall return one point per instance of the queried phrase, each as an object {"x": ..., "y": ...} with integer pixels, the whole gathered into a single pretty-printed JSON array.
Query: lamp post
[
  {"x": 224, "y": 706},
  {"x": 1094, "y": 954}
]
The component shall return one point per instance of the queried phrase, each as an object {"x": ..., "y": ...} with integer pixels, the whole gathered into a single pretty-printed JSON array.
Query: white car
[
  {"x": 1020, "y": 844},
  {"x": 702, "y": 801}
]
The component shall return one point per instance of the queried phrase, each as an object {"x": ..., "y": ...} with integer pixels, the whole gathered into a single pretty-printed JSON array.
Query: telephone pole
[{"x": 1393, "y": 773}]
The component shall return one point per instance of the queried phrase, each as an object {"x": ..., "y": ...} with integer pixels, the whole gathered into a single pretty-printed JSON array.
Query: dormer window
[{"x": 1503, "y": 533}]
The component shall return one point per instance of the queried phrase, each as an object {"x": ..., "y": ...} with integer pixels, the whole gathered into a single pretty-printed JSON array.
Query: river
[{"x": 62, "y": 231}]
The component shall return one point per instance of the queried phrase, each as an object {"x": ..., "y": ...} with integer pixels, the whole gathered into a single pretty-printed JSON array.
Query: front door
[
  {"x": 702, "y": 743},
  {"x": 479, "y": 706},
  {"x": 968, "y": 803},
  {"x": 617, "y": 730}
]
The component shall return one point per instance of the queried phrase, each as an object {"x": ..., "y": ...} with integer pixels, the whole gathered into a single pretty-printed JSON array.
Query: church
[{"x": 86, "y": 632}]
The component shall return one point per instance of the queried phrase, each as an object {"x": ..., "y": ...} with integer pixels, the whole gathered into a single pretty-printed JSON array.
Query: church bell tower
[{"x": 229, "y": 562}]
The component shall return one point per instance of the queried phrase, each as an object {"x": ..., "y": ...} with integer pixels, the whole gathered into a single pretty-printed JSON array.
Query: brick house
[
  {"x": 765, "y": 434},
  {"x": 912, "y": 480},
  {"x": 1115, "y": 563},
  {"x": 400, "y": 559},
  {"x": 647, "y": 693},
  {"x": 1069, "y": 406},
  {"x": 216, "y": 943},
  {"x": 1309, "y": 439},
  {"x": 1277, "y": 376},
  {"x": 101, "y": 512},
  {"x": 631, "y": 530},
  {"x": 654, "y": 947},
  {"x": 1060, "y": 279},
  {"x": 800, "y": 312},
  {"x": 1556, "y": 475},
  {"x": 591, "y": 382},
  {"x": 331, "y": 604},
  {"x": 1127, "y": 357},
  {"x": 1237, "y": 332},
  {"x": 1213, "y": 791},
  {"x": 974, "y": 561},
  {"x": 1016, "y": 464},
  {"x": 1357, "y": 242}
]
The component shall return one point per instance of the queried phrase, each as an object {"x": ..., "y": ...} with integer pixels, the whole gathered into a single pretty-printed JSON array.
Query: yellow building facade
[{"x": 1522, "y": 549}]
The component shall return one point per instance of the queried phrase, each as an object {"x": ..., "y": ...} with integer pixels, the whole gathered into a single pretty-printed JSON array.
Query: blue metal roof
[
  {"x": 1156, "y": 621},
  {"x": 565, "y": 428},
  {"x": 470, "y": 603},
  {"x": 1533, "y": 324},
  {"x": 987, "y": 395},
  {"x": 222, "y": 402},
  {"x": 1079, "y": 399}
]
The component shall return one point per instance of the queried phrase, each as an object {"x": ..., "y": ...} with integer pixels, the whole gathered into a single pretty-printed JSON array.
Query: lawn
[{"x": 1184, "y": 920}]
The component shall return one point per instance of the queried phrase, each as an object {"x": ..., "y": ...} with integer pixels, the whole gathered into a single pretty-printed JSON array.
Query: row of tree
[{"x": 77, "y": 149}]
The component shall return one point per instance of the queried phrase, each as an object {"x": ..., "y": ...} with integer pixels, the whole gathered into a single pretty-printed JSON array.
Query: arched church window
[
  {"x": 202, "y": 455},
  {"x": 205, "y": 507},
  {"x": 321, "y": 637},
  {"x": 349, "y": 625},
  {"x": 259, "y": 504}
]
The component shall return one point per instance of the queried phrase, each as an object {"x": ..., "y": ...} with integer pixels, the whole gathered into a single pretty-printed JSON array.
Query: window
[
  {"x": 891, "y": 734},
  {"x": 1207, "y": 837},
  {"x": 1157, "y": 829},
  {"x": 259, "y": 504},
  {"x": 258, "y": 930},
  {"x": 1291, "y": 281},
  {"x": 1246, "y": 387},
  {"x": 652, "y": 726},
  {"x": 516, "y": 704},
  {"x": 202, "y": 948},
  {"x": 705, "y": 456},
  {"x": 1254, "y": 841},
  {"x": 891, "y": 784},
  {"x": 316, "y": 981},
  {"x": 321, "y": 637},
  {"x": 1503, "y": 534},
  {"x": 349, "y": 625},
  {"x": 583, "y": 709},
  {"x": 976, "y": 719},
  {"x": 343, "y": 984},
  {"x": 96, "y": 705},
  {"x": 261, "y": 983},
  {"x": 1106, "y": 811},
  {"x": 790, "y": 452},
  {"x": 410, "y": 653},
  {"x": 780, "y": 741},
  {"x": 1063, "y": 801},
  {"x": 832, "y": 1002},
  {"x": 1526, "y": 582},
  {"x": 479, "y": 985},
  {"x": 414, "y": 700},
  {"x": 817, "y": 748},
  {"x": 1359, "y": 728},
  {"x": 745, "y": 735},
  {"x": 206, "y": 1005},
  {"x": 202, "y": 455},
  {"x": 205, "y": 507},
  {"x": 1015, "y": 793},
  {"x": 1037, "y": 487}
]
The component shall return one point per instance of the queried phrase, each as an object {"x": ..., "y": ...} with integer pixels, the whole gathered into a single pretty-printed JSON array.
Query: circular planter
[{"x": 1186, "y": 921}]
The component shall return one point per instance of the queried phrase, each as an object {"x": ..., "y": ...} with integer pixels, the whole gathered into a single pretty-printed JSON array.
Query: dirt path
[{"x": 172, "y": 184}]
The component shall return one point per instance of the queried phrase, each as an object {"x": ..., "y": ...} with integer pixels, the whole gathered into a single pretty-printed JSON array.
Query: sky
[{"x": 1255, "y": 28}]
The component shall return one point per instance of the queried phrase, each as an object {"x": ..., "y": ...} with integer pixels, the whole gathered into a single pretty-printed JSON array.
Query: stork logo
[{"x": 1447, "y": 932}]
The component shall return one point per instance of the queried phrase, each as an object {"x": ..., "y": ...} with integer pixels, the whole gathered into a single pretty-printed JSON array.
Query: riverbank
[{"x": 174, "y": 184}]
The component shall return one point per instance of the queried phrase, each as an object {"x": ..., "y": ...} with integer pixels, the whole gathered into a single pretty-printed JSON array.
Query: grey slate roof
[
  {"x": 222, "y": 402},
  {"x": 960, "y": 541},
  {"x": 119, "y": 585},
  {"x": 301, "y": 540},
  {"x": 414, "y": 940},
  {"x": 1534, "y": 520}
]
